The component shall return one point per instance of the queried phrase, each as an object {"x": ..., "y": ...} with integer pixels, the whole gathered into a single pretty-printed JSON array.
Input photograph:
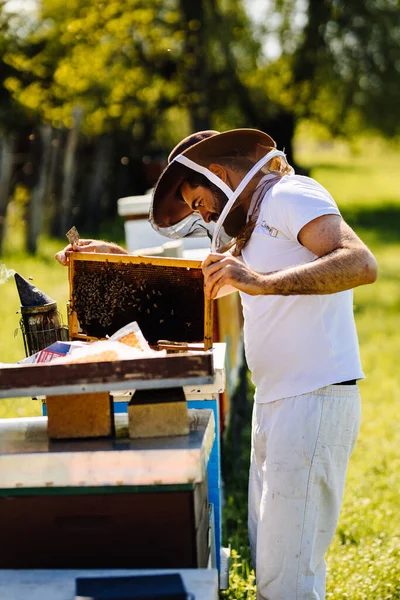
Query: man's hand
[
  {"x": 224, "y": 271},
  {"x": 98, "y": 246}
]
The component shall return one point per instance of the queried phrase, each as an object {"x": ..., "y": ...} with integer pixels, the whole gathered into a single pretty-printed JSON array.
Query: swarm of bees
[
  {"x": 107, "y": 297},
  {"x": 96, "y": 295}
]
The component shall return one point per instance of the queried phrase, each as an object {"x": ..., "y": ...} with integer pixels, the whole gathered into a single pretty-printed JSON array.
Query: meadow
[{"x": 364, "y": 559}]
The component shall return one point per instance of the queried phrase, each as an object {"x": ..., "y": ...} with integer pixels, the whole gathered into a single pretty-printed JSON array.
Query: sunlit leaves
[
  {"x": 106, "y": 57},
  {"x": 124, "y": 61},
  {"x": 352, "y": 49}
]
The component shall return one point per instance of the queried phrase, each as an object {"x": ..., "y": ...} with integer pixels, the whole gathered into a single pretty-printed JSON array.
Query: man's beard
[
  {"x": 220, "y": 200},
  {"x": 235, "y": 220}
]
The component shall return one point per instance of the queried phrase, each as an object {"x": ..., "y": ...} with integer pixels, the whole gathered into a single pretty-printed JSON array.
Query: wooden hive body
[{"x": 164, "y": 295}]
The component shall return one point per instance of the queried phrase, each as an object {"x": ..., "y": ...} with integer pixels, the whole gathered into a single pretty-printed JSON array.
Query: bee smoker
[{"x": 40, "y": 321}]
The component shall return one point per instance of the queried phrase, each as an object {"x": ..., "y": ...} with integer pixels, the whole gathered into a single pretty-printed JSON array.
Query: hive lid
[
  {"x": 134, "y": 205},
  {"x": 29, "y": 294}
]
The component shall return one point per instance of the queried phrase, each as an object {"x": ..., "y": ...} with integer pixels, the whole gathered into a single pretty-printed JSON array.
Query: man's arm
[
  {"x": 343, "y": 262},
  {"x": 89, "y": 246}
]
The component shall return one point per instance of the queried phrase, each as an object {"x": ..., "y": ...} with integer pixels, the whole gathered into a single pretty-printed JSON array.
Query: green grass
[
  {"x": 48, "y": 276},
  {"x": 364, "y": 559}
]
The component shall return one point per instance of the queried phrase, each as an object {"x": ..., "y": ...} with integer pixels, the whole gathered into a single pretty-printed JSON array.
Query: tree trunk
[
  {"x": 277, "y": 122},
  {"x": 7, "y": 146},
  {"x": 69, "y": 173},
  {"x": 308, "y": 55},
  {"x": 195, "y": 73},
  {"x": 52, "y": 189},
  {"x": 38, "y": 195},
  {"x": 281, "y": 127},
  {"x": 93, "y": 207}
]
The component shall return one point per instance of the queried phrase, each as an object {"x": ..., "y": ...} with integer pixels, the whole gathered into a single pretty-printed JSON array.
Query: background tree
[
  {"x": 13, "y": 118},
  {"x": 340, "y": 62},
  {"x": 109, "y": 64}
]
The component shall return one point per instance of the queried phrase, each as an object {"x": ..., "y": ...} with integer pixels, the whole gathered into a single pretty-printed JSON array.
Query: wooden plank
[
  {"x": 208, "y": 322},
  {"x": 184, "y": 263},
  {"x": 124, "y": 372},
  {"x": 28, "y": 459},
  {"x": 60, "y": 585}
]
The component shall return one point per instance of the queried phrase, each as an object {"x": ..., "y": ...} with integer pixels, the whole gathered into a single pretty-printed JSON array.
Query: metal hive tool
[{"x": 164, "y": 295}]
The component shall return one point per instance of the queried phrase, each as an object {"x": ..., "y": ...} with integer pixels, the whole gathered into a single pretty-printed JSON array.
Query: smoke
[{"x": 5, "y": 273}]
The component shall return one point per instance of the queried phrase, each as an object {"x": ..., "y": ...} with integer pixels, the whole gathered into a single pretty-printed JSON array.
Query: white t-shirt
[{"x": 295, "y": 344}]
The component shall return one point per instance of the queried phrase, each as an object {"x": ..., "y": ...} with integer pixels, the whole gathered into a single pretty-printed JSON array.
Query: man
[{"x": 294, "y": 261}]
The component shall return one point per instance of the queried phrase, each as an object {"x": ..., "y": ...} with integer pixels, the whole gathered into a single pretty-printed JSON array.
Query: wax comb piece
[{"x": 73, "y": 235}]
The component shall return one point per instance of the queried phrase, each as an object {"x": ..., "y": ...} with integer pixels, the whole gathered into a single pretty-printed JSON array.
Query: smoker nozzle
[{"x": 30, "y": 295}]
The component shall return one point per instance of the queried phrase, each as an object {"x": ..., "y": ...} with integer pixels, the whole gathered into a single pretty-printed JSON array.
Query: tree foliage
[
  {"x": 12, "y": 115},
  {"x": 126, "y": 64},
  {"x": 120, "y": 80},
  {"x": 340, "y": 62},
  {"x": 110, "y": 59}
]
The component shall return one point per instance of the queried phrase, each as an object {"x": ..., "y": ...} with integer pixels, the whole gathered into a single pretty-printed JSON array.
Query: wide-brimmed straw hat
[{"x": 202, "y": 147}]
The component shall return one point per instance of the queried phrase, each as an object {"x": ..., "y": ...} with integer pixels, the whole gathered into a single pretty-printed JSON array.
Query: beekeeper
[{"x": 280, "y": 240}]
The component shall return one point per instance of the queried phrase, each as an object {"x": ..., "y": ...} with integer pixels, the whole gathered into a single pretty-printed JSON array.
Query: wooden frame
[{"x": 73, "y": 322}]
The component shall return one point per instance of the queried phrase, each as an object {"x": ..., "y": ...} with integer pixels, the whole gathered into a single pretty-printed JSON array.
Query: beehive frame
[{"x": 161, "y": 269}]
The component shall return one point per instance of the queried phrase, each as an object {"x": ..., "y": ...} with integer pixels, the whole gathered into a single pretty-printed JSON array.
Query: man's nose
[{"x": 205, "y": 214}]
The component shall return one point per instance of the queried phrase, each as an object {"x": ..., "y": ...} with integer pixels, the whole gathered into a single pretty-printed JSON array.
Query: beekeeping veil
[{"x": 172, "y": 217}]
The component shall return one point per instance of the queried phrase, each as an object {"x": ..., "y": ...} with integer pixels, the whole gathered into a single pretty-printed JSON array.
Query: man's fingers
[
  {"x": 62, "y": 258},
  {"x": 215, "y": 285},
  {"x": 89, "y": 246},
  {"x": 229, "y": 266},
  {"x": 224, "y": 262},
  {"x": 81, "y": 246},
  {"x": 85, "y": 248},
  {"x": 214, "y": 281},
  {"x": 63, "y": 255},
  {"x": 212, "y": 258},
  {"x": 213, "y": 268}
]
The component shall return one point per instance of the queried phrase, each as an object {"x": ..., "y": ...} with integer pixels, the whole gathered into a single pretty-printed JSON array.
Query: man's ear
[{"x": 219, "y": 171}]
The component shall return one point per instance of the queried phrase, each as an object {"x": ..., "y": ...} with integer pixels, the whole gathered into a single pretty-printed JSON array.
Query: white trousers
[{"x": 300, "y": 450}]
